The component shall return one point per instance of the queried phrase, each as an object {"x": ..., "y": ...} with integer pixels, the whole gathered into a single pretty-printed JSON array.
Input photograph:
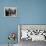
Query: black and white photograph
[
  {"x": 33, "y": 32},
  {"x": 31, "y": 35},
  {"x": 10, "y": 11}
]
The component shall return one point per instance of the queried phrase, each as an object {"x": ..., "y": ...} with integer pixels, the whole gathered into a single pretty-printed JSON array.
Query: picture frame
[
  {"x": 10, "y": 11},
  {"x": 34, "y": 30}
]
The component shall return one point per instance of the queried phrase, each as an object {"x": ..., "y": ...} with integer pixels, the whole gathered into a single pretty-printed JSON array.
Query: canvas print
[{"x": 10, "y": 11}]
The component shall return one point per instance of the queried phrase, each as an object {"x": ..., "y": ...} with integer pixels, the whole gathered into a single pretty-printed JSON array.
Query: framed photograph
[
  {"x": 10, "y": 11},
  {"x": 32, "y": 32}
]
